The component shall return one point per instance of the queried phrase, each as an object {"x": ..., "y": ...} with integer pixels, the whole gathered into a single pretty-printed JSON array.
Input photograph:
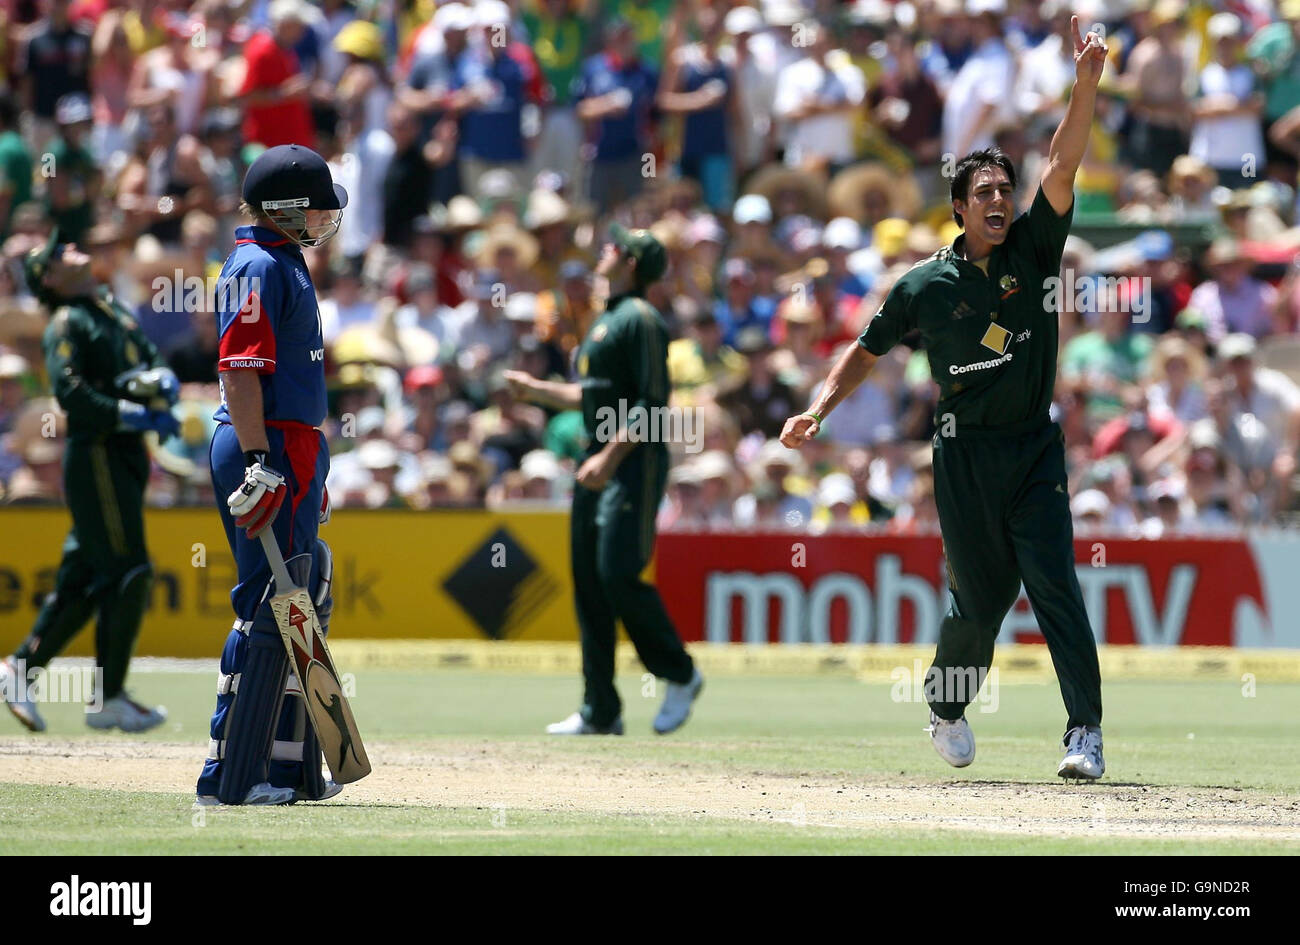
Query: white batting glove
[{"x": 256, "y": 503}]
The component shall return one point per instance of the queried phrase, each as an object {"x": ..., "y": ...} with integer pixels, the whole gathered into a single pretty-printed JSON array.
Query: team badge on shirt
[
  {"x": 1009, "y": 286},
  {"x": 996, "y": 338}
]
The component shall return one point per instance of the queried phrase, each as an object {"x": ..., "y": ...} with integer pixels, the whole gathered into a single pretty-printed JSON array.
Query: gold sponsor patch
[{"x": 996, "y": 338}]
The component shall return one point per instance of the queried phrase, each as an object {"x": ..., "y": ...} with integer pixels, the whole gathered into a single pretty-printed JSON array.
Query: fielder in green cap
[
  {"x": 113, "y": 387},
  {"x": 622, "y": 368}
]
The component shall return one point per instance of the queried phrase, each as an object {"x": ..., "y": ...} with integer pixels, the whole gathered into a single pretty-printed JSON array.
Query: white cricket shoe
[
  {"x": 677, "y": 704},
  {"x": 123, "y": 712},
  {"x": 1083, "y": 758},
  {"x": 259, "y": 795},
  {"x": 24, "y": 709},
  {"x": 577, "y": 725},
  {"x": 954, "y": 741}
]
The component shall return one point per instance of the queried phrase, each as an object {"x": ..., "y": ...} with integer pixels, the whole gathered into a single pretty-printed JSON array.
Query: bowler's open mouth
[{"x": 996, "y": 220}]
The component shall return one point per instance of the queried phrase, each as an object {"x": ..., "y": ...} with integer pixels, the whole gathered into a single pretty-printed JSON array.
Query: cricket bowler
[
  {"x": 999, "y": 461},
  {"x": 267, "y": 453},
  {"x": 622, "y": 366},
  {"x": 114, "y": 387}
]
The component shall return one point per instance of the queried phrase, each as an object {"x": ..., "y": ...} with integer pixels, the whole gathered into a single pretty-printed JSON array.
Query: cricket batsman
[
  {"x": 269, "y": 461},
  {"x": 621, "y": 363},
  {"x": 999, "y": 461},
  {"x": 110, "y": 381}
]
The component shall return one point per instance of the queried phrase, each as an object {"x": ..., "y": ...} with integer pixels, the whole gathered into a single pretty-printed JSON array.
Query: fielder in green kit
[
  {"x": 112, "y": 384},
  {"x": 622, "y": 366},
  {"x": 986, "y": 317}
]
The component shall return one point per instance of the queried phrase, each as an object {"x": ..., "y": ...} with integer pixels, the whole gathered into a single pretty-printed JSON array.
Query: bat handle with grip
[{"x": 283, "y": 583}]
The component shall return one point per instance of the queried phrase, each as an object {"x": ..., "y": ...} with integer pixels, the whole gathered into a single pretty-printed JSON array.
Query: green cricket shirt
[
  {"x": 990, "y": 339},
  {"x": 89, "y": 343},
  {"x": 622, "y": 364}
]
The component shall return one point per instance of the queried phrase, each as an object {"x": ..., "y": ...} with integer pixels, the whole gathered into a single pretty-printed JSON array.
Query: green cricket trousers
[
  {"x": 612, "y": 535},
  {"x": 1004, "y": 511},
  {"x": 105, "y": 570}
]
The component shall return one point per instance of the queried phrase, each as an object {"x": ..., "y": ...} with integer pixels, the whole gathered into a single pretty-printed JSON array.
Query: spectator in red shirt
[{"x": 275, "y": 92}]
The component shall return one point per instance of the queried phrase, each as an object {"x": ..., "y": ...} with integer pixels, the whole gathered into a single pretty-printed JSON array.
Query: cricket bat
[{"x": 327, "y": 707}]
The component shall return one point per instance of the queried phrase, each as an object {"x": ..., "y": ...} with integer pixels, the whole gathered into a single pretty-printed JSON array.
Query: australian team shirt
[{"x": 991, "y": 338}]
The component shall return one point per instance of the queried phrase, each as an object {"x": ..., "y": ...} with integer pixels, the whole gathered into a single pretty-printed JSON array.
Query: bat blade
[{"x": 327, "y": 707}]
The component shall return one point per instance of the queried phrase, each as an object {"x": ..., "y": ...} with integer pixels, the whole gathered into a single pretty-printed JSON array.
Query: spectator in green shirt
[
  {"x": 15, "y": 165},
  {"x": 75, "y": 179},
  {"x": 1105, "y": 362},
  {"x": 1274, "y": 51}
]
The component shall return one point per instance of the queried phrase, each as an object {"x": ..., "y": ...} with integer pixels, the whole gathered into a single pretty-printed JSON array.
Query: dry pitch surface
[{"x": 768, "y": 765}]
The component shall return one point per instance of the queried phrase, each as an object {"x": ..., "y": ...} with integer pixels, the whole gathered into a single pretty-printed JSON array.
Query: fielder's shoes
[
  {"x": 677, "y": 704},
  {"x": 123, "y": 712},
  {"x": 577, "y": 725},
  {"x": 954, "y": 741},
  {"x": 1083, "y": 758},
  {"x": 24, "y": 709},
  {"x": 259, "y": 795}
]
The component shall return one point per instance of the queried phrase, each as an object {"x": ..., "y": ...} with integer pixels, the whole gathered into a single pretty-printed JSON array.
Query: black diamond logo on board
[{"x": 500, "y": 587}]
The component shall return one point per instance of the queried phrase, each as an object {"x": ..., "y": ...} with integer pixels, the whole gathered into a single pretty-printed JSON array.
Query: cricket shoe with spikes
[
  {"x": 259, "y": 795},
  {"x": 954, "y": 741},
  {"x": 577, "y": 725},
  {"x": 23, "y": 708},
  {"x": 677, "y": 704},
  {"x": 125, "y": 713},
  {"x": 1083, "y": 760}
]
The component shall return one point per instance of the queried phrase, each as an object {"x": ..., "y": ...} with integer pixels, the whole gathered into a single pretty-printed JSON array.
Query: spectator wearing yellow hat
[{"x": 365, "y": 88}]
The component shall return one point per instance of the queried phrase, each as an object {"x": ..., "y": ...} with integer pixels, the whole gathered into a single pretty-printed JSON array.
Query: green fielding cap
[
  {"x": 37, "y": 261},
  {"x": 650, "y": 255}
]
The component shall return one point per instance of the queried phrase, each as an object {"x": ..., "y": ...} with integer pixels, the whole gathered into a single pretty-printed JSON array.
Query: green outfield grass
[{"x": 1158, "y": 735}]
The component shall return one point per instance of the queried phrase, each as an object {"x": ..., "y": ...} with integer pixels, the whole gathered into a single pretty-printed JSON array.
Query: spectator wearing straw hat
[
  {"x": 1233, "y": 300},
  {"x": 1178, "y": 372}
]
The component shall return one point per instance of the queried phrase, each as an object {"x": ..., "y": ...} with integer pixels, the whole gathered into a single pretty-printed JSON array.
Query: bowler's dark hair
[{"x": 966, "y": 168}]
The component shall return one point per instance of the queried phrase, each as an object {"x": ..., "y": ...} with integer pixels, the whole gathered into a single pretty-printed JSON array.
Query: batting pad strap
[
  {"x": 227, "y": 683},
  {"x": 280, "y": 751}
]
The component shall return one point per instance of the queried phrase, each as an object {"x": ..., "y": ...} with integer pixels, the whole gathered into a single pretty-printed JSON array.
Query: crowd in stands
[{"x": 790, "y": 156}]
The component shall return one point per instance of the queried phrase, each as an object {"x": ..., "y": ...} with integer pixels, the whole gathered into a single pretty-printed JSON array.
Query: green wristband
[{"x": 809, "y": 413}]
